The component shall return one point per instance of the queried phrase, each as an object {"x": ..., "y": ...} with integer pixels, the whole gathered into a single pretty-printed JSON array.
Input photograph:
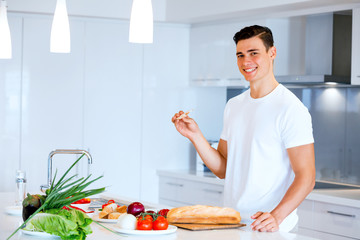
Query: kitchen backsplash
[{"x": 335, "y": 114}]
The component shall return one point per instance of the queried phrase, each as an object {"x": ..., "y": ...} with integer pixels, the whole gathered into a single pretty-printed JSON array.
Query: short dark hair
[{"x": 263, "y": 33}]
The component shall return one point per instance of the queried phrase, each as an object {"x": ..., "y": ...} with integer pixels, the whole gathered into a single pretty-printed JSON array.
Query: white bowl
[{"x": 83, "y": 206}]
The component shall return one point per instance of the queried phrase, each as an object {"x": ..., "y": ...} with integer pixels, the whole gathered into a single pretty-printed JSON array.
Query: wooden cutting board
[{"x": 197, "y": 227}]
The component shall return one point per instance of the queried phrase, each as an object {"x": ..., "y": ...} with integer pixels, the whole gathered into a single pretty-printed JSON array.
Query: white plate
[
  {"x": 95, "y": 217},
  {"x": 83, "y": 206},
  {"x": 14, "y": 210},
  {"x": 171, "y": 229},
  {"x": 39, "y": 234}
]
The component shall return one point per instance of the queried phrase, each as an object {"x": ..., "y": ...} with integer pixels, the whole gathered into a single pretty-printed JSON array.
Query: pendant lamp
[
  {"x": 5, "y": 37},
  {"x": 60, "y": 30},
  {"x": 141, "y": 22}
]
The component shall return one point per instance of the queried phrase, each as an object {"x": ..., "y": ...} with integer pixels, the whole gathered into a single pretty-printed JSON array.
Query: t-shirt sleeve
[
  {"x": 297, "y": 127},
  {"x": 224, "y": 132}
]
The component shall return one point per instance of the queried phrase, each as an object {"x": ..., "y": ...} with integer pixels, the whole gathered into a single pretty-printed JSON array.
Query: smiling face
[{"x": 254, "y": 62}]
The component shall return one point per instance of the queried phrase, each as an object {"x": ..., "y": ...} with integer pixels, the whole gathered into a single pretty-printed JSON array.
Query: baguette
[{"x": 203, "y": 215}]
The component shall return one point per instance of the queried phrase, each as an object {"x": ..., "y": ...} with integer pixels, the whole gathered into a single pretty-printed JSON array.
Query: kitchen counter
[
  {"x": 344, "y": 197},
  {"x": 8, "y": 223}
]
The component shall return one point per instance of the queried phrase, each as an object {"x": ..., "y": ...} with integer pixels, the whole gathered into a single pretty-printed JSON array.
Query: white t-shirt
[{"x": 258, "y": 132}]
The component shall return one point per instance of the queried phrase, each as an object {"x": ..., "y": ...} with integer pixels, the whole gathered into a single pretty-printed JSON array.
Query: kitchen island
[{"x": 8, "y": 223}]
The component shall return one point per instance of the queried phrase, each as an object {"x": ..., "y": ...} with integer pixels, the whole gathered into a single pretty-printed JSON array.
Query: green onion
[{"x": 64, "y": 192}]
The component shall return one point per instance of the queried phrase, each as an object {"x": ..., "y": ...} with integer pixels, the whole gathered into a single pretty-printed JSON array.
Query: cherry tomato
[
  {"x": 163, "y": 212},
  {"x": 160, "y": 223},
  {"x": 145, "y": 224}
]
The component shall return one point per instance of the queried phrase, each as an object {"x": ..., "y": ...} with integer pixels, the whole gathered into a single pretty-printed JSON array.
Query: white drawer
[
  {"x": 170, "y": 188},
  {"x": 336, "y": 219},
  {"x": 190, "y": 192},
  {"x": 207, "y": 194}
]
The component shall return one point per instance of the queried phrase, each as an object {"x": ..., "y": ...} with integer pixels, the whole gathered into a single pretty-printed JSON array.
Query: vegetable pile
[
  {"x": 137, "y": 218},
  {"x": 44, "y": 212}
]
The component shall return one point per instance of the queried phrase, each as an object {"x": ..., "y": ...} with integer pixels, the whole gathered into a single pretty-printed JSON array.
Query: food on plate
[
  {"x": 108, "y": 203},
  {"x": 127, "y": 221},
  {"x": 121, "y": 209},
  {"x": 107, "y": 210},
  {"x": 82, "y": 201},
  {"x": 203, "y": 214},
  {"x": 111, "y": 210},
  {"x": 82, "y": 204},
  {"x": 114, "y": 215},
  {"x": 160, "y": 223},
  {"x": 135, "y": 208},
  {"x": 163, "y": 212},
  {"x": 68, "y": 224},
  {"x": 144, "y": 224},
  {"x": 150, "y": 211},
  {"x": 151, "y": 221},
  {"x": 61, "y": 194}
]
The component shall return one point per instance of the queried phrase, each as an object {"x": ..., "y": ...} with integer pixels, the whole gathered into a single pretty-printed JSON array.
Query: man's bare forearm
[
  {"x": 297, "y": 192},
  {"x": 213, "y": 159}
]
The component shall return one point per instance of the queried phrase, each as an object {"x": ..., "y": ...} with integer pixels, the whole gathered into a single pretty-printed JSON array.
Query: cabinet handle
[
  {"x": 174, "y": 184},
  {"x": 212, "y": 191},
  {"x": 341, "y": 214}
]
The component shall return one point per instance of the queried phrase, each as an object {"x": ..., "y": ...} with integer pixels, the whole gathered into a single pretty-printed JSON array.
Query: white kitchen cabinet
[
  {"x": 213, "y": 54},
  {"x": 355, "y": 52},
  {"x": 112, "y": 105},
  {"x": 179, "y": 191},
  {"x": 52, "y": 98},
  {"x": 328, "y": 218},
  {"x": 10, "y": 102},
  {"x": 164, "y": 91}
]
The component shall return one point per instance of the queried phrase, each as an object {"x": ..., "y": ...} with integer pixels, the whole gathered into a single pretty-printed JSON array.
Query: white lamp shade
[
  {"x": 5, "y": 37},
  {"x": 141, "y": 22},
  {"x": 60, "y": 30}
]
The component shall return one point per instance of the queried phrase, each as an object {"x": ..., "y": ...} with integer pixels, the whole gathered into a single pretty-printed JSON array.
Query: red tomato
[
  {"x": 160, "y": 223},
  {"x": 145, "y": 216},
  {"x": 163, "y": 212},
  {"x": 82, "y": 201},
  {"x": 145, "y": 224}
]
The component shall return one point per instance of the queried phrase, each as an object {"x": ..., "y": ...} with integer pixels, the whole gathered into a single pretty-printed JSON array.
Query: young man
[{"x": 265, "y": 152}]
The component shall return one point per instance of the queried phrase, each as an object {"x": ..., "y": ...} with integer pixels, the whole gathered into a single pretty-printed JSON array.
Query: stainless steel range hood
[
  {"x": 327, "y": 50},
  {"x": 314, "y": 79}
]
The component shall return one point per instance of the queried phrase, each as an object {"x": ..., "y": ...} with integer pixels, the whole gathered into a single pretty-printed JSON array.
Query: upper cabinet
[
  {"x": 321, "y": 44},
  {"x": 355, "y": 53},
  {"x": 213, "y": 55}
]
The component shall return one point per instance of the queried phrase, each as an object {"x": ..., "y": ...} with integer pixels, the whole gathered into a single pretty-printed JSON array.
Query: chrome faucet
[{"x": 63, "y": 151}]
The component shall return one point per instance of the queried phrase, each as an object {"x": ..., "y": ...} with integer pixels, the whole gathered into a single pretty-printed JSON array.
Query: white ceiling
[{"x": 189, "y": 11}]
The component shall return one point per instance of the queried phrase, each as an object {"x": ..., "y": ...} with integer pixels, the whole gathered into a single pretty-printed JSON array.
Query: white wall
[
  {"x": 119, "y": 9},
  {"x": 108, "y": 96}
]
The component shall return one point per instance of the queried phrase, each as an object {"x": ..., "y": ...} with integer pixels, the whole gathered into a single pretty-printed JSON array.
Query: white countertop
[
  {"x": 9, "y": 223},
  {"x": 205, "y": 177},
  {"x": 344, "y": 197}
]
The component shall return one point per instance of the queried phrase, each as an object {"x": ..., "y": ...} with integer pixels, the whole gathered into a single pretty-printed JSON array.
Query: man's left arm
[{"x": 302, "y": 159}]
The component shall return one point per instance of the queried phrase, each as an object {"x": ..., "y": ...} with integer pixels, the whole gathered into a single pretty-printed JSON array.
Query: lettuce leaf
[{"x": 68, "y": 224}]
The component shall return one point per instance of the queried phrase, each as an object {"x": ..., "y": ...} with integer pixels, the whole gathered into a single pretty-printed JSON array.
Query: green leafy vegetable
[
  {"x": 68, "y": 224},
  {"x": 64, "y": 192}
]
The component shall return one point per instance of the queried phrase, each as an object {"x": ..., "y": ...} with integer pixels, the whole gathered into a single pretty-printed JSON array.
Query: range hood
[{"x": 327, "y": 50}]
